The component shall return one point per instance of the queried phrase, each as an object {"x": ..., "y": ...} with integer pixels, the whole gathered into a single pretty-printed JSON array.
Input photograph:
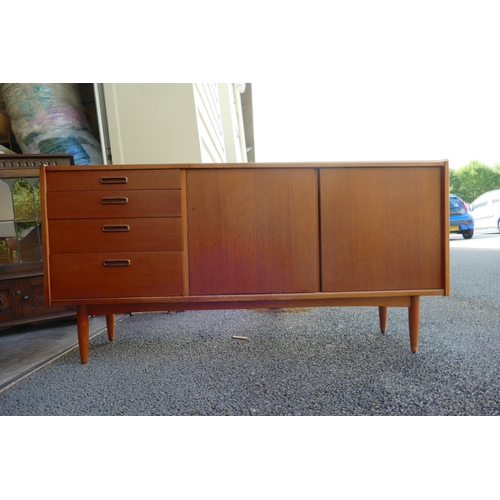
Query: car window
[
  {"x": 456, "y": 206},
  {"x": 479, "y": 205},
  {"x": 480, "y": 199}
]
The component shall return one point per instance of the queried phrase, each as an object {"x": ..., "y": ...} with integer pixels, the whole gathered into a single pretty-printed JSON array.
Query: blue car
[{"x": 461, "y": 220}]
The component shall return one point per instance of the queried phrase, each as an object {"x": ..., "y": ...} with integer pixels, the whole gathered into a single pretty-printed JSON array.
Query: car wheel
[{"x": 468, "y": 234}]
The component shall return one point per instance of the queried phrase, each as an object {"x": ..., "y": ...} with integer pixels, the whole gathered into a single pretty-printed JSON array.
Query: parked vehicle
[
  {"x": 486, "y": 210},
  {"x": 461, "y": 220}
]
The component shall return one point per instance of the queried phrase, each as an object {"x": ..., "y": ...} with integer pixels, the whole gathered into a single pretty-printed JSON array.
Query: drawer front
[
  {"x": 115, "y": 275},
  {"x": 106, "y": 204},
  {"x": 115, "y": 235},
  {"x": 110, "y": 180}
]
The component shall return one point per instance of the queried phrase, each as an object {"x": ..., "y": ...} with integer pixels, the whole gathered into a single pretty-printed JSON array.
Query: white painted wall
[
  {"x": 173, "y": 123},
  {"x": 152, "y": 123},
  {"x": 230, "y": 122},
  {"x": 209, "y": 119}
]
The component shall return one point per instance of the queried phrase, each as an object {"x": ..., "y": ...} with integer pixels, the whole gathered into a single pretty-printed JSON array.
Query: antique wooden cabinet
[
  {"x": 126, "y": 238},
  {"x": 21, "y": 271}
]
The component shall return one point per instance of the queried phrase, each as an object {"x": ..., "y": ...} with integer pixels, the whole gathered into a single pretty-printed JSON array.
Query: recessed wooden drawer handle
[
  {"x": 116, "y": 229},
  {"x": 116, "y": 263},
  {"x": 114, "y": 180},
  {"x": 114, "y": 201}
]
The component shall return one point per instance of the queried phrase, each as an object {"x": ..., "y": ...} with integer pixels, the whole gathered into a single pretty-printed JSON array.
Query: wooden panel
[
  {"x": 109, "y": 180},
  {"x": 105, "y": 204},
  {"x": 33, "y": 299},
  {"x": 74, "y": 276},
  {"x": 130, "y": 306},
  {"x": 381, "y": 229},
  {"x": 115, "y": 235},
  {"x": 253, "y": 231},
  {"x": 10, "y": 300},
  {"x": 23, "y": 299}
]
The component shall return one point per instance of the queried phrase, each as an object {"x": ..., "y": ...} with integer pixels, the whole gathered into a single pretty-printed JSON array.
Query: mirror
[{"x": 20, "y": 212}]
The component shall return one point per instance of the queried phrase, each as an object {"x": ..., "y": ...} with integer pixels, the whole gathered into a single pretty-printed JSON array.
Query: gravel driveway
[{"x": 306, "y": 361}]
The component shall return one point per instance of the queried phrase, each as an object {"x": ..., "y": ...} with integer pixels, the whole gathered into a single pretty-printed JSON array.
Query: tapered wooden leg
[
  {"x": 110, "y": 324},
  {"x": 382, "y": 315},
  {"x": 414, "y": 322},
  {"x": 82, "y": 319}
]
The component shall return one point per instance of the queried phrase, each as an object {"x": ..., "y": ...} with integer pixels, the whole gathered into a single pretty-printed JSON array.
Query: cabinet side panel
[
  {"x": 45, "y": 234},
  {"x": 381, "y": 229},
  {"x": 253, "y": 231}
]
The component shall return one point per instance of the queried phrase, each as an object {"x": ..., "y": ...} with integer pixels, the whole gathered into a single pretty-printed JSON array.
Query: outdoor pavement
[
  {"x": 304, "y": 361},
  {"x": 27, "y": 348}
]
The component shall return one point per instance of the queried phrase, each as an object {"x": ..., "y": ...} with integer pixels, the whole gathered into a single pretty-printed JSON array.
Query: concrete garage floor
[{"x": 27, "y": 348}]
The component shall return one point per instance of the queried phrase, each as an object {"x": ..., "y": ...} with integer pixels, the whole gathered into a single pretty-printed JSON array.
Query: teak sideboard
[{"x": 125, "y": 238}]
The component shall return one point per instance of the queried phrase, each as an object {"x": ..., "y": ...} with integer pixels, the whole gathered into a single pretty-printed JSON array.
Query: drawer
[
  {"x": 115, "y": 275},
  {"x": 106, "y": 204},
  {"x": 110, "y": 180},
  {"x": 116, "y": 235}
]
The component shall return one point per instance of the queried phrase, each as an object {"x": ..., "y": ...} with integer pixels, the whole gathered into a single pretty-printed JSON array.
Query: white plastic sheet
[{"x": 49, "y": 118}]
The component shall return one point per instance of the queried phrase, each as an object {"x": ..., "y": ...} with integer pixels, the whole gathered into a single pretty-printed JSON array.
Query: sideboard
[
  {"x": 126, "y": 238},
  {"x": 21, "y": 269}
]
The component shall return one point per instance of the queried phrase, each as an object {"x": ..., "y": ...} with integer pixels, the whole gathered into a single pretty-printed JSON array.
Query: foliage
[
  {"x": 26, "y": 203},
  {"x": 24, "y": 200},
  {"x": 474, "y": 179}
]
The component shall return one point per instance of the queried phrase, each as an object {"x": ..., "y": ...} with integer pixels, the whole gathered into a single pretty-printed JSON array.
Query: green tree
[
  {"x": 455, "y": 183},
  {"x": 474, "y": 179}
]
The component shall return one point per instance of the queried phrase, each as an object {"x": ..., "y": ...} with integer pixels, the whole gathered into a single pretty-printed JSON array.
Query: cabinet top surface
[{"x": 192, "y": 166}]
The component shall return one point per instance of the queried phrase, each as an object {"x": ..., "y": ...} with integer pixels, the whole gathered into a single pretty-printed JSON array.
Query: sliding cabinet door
[
  {"x": 253, "y": 231},
  {"x": 381, "y": 229}
]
